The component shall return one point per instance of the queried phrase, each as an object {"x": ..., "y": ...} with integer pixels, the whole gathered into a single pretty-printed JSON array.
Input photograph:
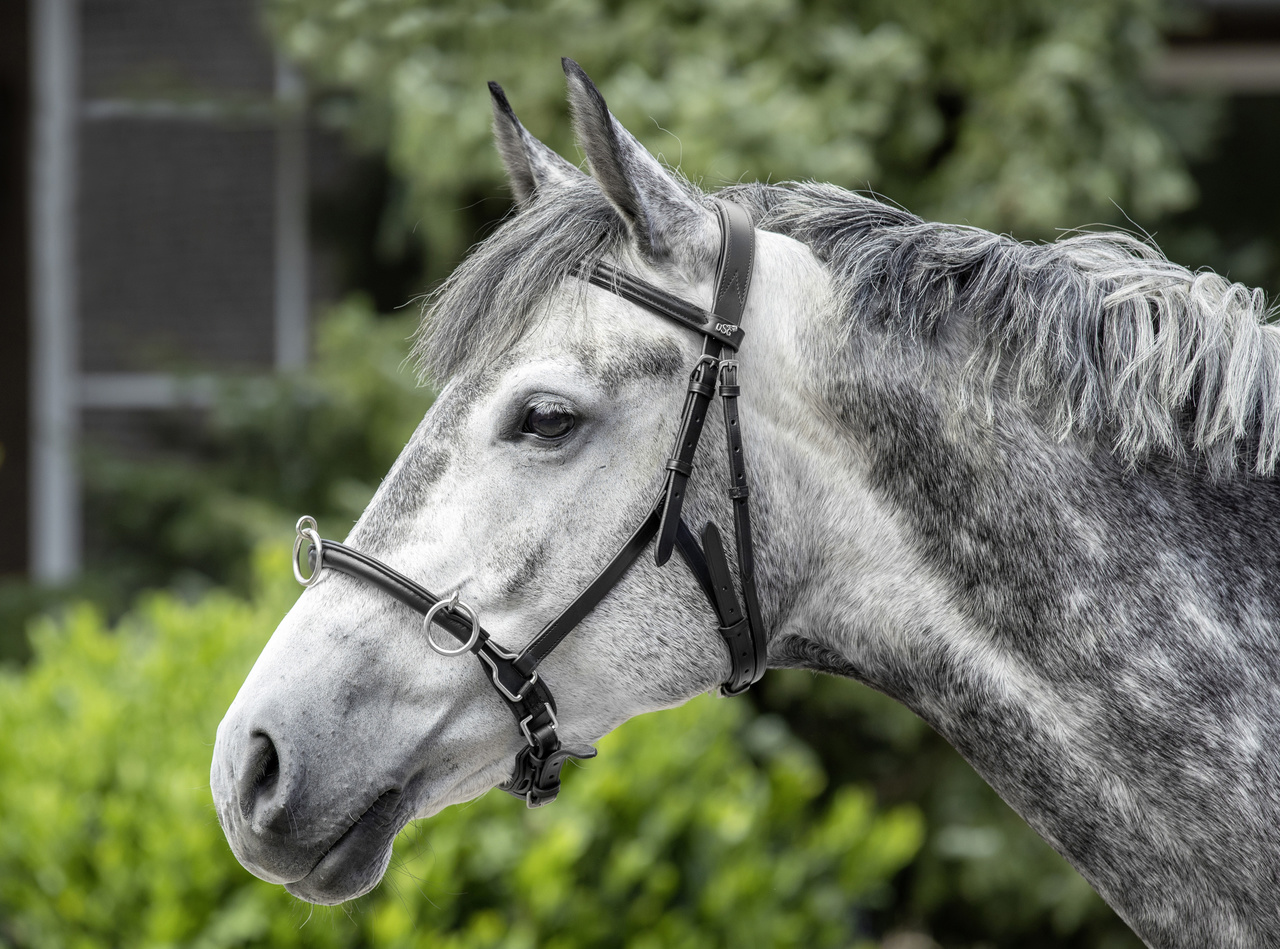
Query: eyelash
[
  {"x": 551, "y": 408},
  {"x": 547, "y": 405}
]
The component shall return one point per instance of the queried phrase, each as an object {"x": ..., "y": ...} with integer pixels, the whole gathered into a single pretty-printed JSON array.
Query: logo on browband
[{"x": 727, "y": 328}]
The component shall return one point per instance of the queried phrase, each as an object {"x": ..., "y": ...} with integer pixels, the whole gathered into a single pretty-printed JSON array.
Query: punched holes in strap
[
  {"x": 734, "y": 626},
  {"x": 710, "y": 567},
  {"x": 738, "y": 493},
  {"x": 698, "y": 399}
]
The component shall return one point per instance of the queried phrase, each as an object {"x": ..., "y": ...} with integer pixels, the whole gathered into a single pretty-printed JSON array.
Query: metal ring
[
  {"x": 453, "y": 603},
  {"x": 306, "y": 528}
]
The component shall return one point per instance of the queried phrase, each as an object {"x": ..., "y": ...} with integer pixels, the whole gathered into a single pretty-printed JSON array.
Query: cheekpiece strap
[{"x": 733, "y": 283}]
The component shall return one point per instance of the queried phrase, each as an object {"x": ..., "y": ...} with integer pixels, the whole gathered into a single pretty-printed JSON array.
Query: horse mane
[{"x": 1099, "y": 330}]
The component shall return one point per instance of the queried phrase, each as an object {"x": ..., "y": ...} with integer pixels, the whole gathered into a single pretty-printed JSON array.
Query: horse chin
[{"x": 355, "y": 862}]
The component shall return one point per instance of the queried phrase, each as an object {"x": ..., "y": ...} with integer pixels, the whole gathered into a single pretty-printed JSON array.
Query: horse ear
[
  {"x": 531, "y": 166},
  {"x": 657, "y": 209}
]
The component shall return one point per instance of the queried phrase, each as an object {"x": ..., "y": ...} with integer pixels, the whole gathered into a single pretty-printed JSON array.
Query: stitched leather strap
[
  {"x": 737, "y": 262},
  {"x": 658, "y": 301},
  {"x": 536, "y": 777},
  {"x": 513, "y": 685},
  {"x": 733, "y": 283},
  {"x": 753, "y": 668},
  {"x": 697, "y": 562},
  {"x": 680, "y": 465}
]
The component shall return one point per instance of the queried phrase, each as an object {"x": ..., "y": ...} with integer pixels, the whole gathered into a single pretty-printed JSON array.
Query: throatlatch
[{"x": 536, "y": 776}]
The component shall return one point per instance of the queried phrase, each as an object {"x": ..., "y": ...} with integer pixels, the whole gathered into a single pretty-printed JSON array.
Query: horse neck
[{"x": 1101, "y": 644}]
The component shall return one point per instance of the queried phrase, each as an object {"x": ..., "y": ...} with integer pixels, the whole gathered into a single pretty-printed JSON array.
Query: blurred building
[
  {"x": 154, "y": 190},
  {"x": 156, "y": 171}
]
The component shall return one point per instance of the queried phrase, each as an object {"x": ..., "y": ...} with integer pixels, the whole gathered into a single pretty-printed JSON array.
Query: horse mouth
[{"x": 356, "y": 861}]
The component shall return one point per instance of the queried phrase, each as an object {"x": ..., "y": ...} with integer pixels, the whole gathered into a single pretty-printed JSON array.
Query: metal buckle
[
  {"x": 493, "y": 673},
  {"x": 528, "y": 735},
  {"x": 704, "y": 358},
  {"x": 453, "y": 603},
  {"x": 306, "y": 528}
]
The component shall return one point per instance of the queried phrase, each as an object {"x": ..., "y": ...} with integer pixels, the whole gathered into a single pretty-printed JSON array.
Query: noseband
[{"x": 536, "y": 777}]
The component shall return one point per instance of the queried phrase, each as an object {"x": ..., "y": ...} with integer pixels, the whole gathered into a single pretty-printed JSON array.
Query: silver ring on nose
[
  {"x": 453, "y": 603},
  {"x": 306, "y": 528}
]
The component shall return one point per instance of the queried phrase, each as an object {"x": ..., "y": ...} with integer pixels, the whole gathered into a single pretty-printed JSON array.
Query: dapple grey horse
[{"x": 1027, "y": 490}]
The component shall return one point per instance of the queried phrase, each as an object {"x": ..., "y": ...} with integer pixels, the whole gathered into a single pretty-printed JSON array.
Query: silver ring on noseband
[
  {"x": 453, "y": 603},
  {"x": 306, "y": 528}
]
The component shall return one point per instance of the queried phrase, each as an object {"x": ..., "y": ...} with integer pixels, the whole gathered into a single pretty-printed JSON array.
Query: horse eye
[{"x": 548, "y": 421}]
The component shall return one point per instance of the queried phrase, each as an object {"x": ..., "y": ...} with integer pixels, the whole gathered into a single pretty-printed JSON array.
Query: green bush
[
  {"x": 704, "y": 826},
  {"x": 188, "y": 512},
  {"x": 271, "y": 448},
  {"x": 1026, "y": 115}
]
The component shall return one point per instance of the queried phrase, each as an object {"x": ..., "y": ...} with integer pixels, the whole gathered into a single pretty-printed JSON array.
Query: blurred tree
[
  {"x": 188, "y": 514},
  {"x": 1022, "y": 115}
]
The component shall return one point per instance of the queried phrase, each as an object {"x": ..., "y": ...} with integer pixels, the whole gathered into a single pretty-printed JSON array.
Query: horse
[{"x": 1028, "y": 490}]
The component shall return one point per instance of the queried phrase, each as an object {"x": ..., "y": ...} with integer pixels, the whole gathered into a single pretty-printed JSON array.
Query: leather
[
  {"x": 726, "y": 603},
  {"x": 693, "y": 556},
  {"x": 739, "y": 493},
  {"x": 658, "y": 301},
  {"x": 734, "y": 270},
  {"x": 501, "y": 663},
  {"x": 680, "y": 465},
  {"x": 536, "y": 777},
  {"x": 737, "y": 262}
]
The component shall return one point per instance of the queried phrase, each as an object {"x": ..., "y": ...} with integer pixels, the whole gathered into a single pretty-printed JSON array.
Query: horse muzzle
[{"x": 293, "y": 817}]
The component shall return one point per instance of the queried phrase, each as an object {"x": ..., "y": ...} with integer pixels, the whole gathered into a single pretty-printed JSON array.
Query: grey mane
[{"x": 1100, "y": 331}]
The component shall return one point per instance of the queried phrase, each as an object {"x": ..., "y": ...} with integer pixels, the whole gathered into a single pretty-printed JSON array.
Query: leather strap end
[
  {"x": 672, "y": 504},
  {"x": 665, "y": 545},
  {"x": 679, "y": 466}
]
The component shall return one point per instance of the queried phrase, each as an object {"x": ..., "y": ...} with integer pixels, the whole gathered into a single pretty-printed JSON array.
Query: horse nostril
[{"x": 261, "y": 774}]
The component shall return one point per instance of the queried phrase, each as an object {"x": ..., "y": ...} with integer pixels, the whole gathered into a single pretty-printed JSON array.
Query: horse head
[{"x": 533, "y": 466}]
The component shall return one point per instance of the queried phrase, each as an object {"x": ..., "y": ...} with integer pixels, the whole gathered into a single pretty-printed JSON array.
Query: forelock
[{"x": 492, "y": 299}]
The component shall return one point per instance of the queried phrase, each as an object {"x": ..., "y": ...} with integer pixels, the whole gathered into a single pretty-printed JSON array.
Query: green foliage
[
  {"x": 703, "y": 826},
  {"x": 187, "y": 513},
  {"x": 1008, "y": 114},
  {"x": 272, "y": 448}
]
